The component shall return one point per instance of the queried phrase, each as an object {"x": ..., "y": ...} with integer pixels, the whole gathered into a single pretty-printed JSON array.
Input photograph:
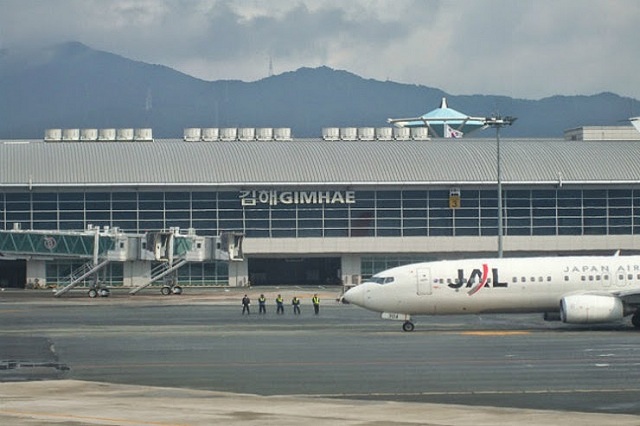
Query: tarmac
[
  {"x": 75, "y": 402},
  {"x": 70, "y": 402}
]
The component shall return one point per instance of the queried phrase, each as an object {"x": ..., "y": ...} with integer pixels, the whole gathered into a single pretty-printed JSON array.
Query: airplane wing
[{"x": 629, "y": 297}]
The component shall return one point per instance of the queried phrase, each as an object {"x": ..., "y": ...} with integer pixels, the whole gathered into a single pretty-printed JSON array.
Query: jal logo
[{"x": 478, "y": 279}]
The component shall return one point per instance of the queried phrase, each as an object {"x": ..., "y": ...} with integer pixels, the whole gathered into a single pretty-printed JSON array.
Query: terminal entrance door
[
  {"x": 13, "y": 273},
  {"x": 294, "y": 271}
]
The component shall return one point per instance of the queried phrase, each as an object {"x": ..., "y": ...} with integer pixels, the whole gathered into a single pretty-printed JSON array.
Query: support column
[
  {"x": 37, "y": 272},
  {"x": 351, "y": 269},
  {"x": 136, "y": 273},
  {"x": 238, "y": 273}
]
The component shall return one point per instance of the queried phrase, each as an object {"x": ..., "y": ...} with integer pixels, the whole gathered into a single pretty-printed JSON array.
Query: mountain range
[{"x": 71, "y": 85}]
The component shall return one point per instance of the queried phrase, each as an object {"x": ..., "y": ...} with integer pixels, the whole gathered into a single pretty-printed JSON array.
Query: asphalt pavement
[{"x": 195, "y": 359}]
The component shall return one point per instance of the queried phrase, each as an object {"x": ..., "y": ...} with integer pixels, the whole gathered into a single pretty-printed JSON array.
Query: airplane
[{"x": 572, "y": 289}]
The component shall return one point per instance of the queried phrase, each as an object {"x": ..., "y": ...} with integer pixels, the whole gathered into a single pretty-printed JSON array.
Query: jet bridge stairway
[
  {"x": 82, "y": 273},
  {"x": 161, "y": 271},
  {"x": 174, "y": 250}
]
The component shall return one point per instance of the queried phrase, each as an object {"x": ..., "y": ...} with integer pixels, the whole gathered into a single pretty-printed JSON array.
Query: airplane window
[
  {"x": 514, "y": 279},
  {"x": 523, "y": 279},
  {"x": 597, "y": 277},
  {"x": 606, "y": 277},
  {"x": 533, "y": 279},
  {"x": 549, "y": 279},
  {"x": 381, "y": 280},
  {"x": 566, "y": 277},
  {"x": 540, "y": 279},
  {"x": 590, "y": 277},
  {"x": 630, "y": 277},
  {"x": 583, "y": 278},
  {"x": 621, "y": 277}
]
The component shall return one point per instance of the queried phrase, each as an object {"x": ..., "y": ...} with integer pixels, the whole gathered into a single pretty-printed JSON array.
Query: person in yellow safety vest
[
  {"x": 280, "y": 305},
  {"x": 262, "y": 304},
  {"x": 296, "y": 305},
  {"x": 316, "y": 303}
]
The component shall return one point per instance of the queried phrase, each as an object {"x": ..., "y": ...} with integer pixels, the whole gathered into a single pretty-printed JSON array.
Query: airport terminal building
[{"x": 321, "y": 211}]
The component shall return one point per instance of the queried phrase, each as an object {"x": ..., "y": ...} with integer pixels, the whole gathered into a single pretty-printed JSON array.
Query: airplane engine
[{"x": 590, "y": 308}]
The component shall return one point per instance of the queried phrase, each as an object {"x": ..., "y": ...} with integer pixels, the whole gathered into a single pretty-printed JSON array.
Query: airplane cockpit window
[{"x": 381, "y": 280}]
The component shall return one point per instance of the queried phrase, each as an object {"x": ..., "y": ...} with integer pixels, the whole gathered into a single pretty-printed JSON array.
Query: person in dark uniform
[
  {"x": 316, "y": 303},
  {"x": 296, "y": 305},
  {"x": 279, "y": 305},
  {"x": 246, "y": 302},
  {"x": 262, "y": 304}
]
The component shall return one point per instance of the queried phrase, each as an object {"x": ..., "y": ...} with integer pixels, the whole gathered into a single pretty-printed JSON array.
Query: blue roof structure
[{"x": 443, "y": 122}]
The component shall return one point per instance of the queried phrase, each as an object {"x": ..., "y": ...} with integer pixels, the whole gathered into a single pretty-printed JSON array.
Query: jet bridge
[
  {"x": 173, "y": 250},
  {"x": 100, "y": 247}
]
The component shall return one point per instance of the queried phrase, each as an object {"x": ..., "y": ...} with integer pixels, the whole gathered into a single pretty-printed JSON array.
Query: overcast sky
[{"x": 525, "y": 49}]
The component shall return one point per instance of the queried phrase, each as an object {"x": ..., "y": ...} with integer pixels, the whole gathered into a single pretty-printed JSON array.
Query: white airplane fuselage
[{"x": 586, "y": 288}]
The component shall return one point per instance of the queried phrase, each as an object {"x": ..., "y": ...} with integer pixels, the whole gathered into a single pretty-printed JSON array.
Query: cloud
[{"x": 514, "y": 48}]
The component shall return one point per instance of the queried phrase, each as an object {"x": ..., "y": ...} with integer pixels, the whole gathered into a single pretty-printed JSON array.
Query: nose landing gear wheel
[{"x": 407, "y": 326}]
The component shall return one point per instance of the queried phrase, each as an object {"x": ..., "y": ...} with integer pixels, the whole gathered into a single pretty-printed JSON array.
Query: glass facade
[
  {"x": 381, "y": 213},
  {"x": 369, "y": 213}
]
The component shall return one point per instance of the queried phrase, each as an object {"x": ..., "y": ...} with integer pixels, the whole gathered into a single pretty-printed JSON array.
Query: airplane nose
[{"x": 355, "y": 295}]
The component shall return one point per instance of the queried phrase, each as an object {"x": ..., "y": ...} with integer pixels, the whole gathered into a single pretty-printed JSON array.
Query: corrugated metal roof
[{"x": 314, "y": 162}]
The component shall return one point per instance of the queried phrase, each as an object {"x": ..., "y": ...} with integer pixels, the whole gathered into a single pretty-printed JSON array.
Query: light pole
[{"x": 497, "y": 123}]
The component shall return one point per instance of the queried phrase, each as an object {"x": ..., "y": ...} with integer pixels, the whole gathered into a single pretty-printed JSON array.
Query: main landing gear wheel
[
  {"x": 407, "y": 326},
  {"x": 93, "y": 293},
  {"x": 635, "y": 320}
]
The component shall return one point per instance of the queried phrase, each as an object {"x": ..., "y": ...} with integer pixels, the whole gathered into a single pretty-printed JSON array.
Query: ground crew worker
[
  {"x": 246, "y": 302},
  {"x": 296, "y": 305},
  {"x": 316, "y": 303},
  {"x": 262, "y": 304},
  {"x": 280, "y": 305}
]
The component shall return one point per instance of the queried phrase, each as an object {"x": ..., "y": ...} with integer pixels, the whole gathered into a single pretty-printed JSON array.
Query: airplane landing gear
[
  {"x": 635, "y": 320},
  {"x": 407, "y": 326}
]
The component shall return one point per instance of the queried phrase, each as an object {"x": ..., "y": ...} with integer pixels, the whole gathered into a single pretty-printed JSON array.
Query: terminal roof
[{"x": 315, "y": 162}]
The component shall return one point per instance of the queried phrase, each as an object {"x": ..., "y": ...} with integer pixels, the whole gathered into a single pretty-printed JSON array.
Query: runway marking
[
  {"x": 118, "y": 421},
  {"x": 485, "y": 392},
  {"x": 495, "y": 333}
]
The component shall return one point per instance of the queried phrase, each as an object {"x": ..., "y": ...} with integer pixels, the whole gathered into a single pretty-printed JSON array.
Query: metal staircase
[
  {"x": 80, "y": 274},
  {"x": 159, "y": 272}
]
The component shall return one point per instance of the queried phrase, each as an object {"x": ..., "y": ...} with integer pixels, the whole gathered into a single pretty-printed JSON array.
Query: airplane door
[
  {"x": 423, "y": 276},
  {"x": 620, "y": 278}
]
